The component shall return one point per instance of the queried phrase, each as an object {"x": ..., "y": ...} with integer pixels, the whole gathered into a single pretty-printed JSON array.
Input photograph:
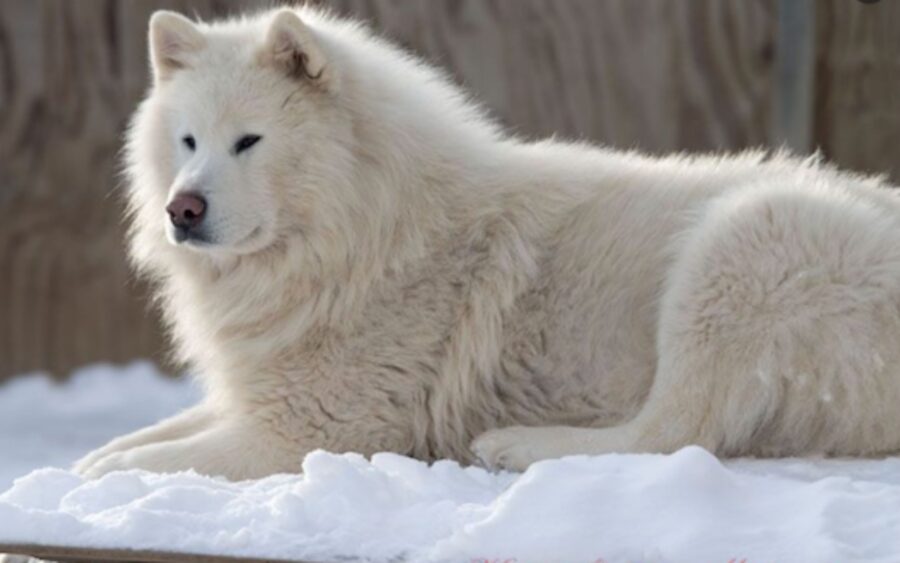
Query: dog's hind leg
[{"x": 778, "y": 334}]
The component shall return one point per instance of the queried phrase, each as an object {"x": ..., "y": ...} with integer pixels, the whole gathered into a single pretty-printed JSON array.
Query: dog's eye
[
  {"x": 189, "y": 142},
  {"x": 245, "y": 143}
]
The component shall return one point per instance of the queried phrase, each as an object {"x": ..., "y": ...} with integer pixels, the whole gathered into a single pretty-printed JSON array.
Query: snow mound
[{"x": 685, "y": 507}]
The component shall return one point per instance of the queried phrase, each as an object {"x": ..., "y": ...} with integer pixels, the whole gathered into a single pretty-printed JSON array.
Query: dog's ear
[
  {"x": 173, "y": 40},
  {"x": 293, "y": 48}
]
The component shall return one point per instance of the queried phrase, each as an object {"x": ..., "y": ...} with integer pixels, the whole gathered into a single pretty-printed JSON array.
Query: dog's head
[{"x": 236, "y": 132}]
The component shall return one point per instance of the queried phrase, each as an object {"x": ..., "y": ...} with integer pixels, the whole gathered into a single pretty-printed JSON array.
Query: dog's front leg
[
  {"x": 234, "y": 451},
  {"x": 183, "y": 424}
]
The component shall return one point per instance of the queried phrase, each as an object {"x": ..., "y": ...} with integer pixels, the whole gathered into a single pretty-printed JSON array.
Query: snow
[
  {"x": 46, "y": 423},
  {"x": 684, "y": 507}
]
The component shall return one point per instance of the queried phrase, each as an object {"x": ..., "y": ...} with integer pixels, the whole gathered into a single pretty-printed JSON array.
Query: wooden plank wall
[
  {"x": 657, "y": 74},
  {"x": 858, "y": 85}
]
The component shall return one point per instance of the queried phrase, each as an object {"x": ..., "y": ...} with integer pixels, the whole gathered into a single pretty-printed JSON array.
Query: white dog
[{"x": 353, "y": 257}]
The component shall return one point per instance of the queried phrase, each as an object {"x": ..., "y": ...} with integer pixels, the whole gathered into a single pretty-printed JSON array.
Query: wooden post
[{"x": 792, "y": 124}]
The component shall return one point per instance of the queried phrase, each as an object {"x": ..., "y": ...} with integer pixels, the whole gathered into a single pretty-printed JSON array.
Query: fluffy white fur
[{"x": 387, "y": 270}]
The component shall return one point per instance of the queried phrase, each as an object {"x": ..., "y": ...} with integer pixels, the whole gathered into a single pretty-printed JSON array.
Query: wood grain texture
[
  {"x": 70, "y": 74},
  {"x": 658, "y": 75},
  {"x": 69, "y": 554},
  {"x": 63, "y": 281},
  {"x": 858, "y": 85}
]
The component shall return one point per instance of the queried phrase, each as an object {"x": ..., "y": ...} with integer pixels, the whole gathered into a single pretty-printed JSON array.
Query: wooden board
[
  {"x": 656, "y": 74},
  {"x": 64, "y": 554},
  {"x": 857, "y": 88},
  {"x": 70, "y": 75},
  {"x": 659, "y": 75}
]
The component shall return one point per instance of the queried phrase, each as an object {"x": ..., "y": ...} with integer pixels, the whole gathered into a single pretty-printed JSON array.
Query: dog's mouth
[
  {"x": 199, "y": 238},
  {"x": 190, "y": 237}
]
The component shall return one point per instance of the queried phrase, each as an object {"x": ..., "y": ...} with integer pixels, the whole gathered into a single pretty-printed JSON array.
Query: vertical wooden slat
[
  {"x": 792, "y": 124},
  {"x": 857, "y": 115}
]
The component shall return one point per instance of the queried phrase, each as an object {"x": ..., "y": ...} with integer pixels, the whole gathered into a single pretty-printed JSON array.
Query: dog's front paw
[
  {"x": 100, "y": 467},
  {"x": 513, "y": 448},
  {"x": 83, "y": 466}
]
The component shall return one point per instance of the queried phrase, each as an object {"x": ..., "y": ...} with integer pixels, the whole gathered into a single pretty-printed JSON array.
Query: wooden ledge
[{"x": 66, "y": 554}]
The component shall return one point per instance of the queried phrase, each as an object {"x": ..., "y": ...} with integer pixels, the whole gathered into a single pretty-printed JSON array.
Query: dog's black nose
[{"x": 186, "y": 210}]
